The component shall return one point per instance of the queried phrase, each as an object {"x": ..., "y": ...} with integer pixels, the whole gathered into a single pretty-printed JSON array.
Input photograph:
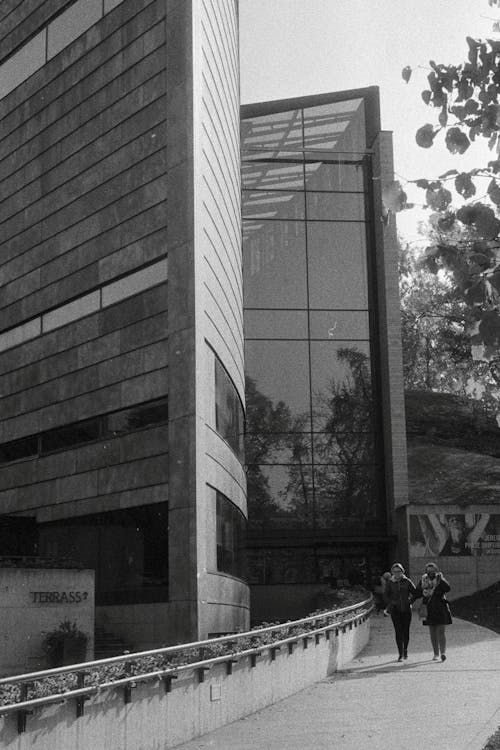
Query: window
[
  {"x": 136, "y": 417},
  {"x": 229, "y": 417},
  {"x": 74, "y": 434},
  {"x": 231, "y": 537},
  {"x": 86, "y": 431},
  {"x": 134, "y": 283},
  {"x": 22, "y": 64},
  {"x": 71, "y": 311},
  {"x": 71, "y": 24},
  {"x": 17, "y": 449},
  {"x": 21, "y": 333},
  {"x": 128, "y": 549}
]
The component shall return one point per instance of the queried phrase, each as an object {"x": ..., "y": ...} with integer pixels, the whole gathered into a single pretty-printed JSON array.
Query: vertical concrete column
[
  {"x": 183, "y": 595},
  {"x": 390, "y": 342}
]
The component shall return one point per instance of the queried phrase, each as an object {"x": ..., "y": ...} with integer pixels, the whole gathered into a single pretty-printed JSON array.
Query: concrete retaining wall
[{"x": 156, "y": 719}]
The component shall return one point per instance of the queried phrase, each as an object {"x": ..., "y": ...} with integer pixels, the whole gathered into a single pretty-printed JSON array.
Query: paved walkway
[{"x": 379, "y": 704}]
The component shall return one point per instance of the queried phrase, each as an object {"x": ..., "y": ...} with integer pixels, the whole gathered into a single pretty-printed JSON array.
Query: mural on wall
[{"x": 454, "y": 534}]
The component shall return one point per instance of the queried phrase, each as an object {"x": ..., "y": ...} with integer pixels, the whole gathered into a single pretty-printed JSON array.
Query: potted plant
[{"x": 66, "y": 644}]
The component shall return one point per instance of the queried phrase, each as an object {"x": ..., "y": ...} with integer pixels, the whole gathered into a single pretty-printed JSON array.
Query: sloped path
[{"x": 379, "y": 704}]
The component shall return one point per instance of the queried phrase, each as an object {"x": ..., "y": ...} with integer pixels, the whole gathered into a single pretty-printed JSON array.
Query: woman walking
[
  {"x": 432, "y": 588},
  {"x": 399, "y": 593}
]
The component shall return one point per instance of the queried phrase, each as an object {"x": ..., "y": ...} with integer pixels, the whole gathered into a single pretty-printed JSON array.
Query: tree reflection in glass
[{"x": 338, "y": 487}]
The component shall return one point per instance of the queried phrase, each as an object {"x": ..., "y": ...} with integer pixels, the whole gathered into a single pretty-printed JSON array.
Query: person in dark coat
[
  {"x": 398, "y": 594},
  {"x": 432, "y": 588}
]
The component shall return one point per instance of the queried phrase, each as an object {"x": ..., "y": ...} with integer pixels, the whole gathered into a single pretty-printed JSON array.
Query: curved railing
[{"x": 79, "y": 682}]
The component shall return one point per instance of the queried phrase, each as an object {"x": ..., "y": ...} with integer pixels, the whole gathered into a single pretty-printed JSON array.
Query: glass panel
[
  {"x": 277, "y": 131},
  {"x": 134, "y": 283},
  {"x": 229, "y": 419},
  {"x": 231, "y": 537},
  {"x": 341, "y": 386},
  {"x": 18, "y": 449},
  {"x": 72, "y": 311},
  {"x": 278, "y": 448},
  {"x": 280, "y": 495},
  {"x": 276, "y": 324},
  {"x": 20, "y": 333},
  {"x": 274, "y": 265},
  {"x": 271, "y": 172},
  {"x": 338, "y": 324},
  {"x": 337, "y": 176},
  {"x": 22, "y": 64},
  {"x": 127, "y": 548},
  {"x": 283, "y": 565},
  {"x": 73, "y": 434},
  {"x": 341, "y": 446},
  {"x": 337, "y": 265},
  {"x": 138, "y": 416},
  {"x": 346, "y": 493},
  {"x": 335, "y": 206},
  {"x": 277, "y": 388},
  {"x": 69, "y": 25},
  {"x": 272, "y": 204},
  {"x": 337, "y": 125}
]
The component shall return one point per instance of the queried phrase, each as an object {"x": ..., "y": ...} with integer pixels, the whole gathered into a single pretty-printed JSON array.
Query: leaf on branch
[
  {"x": 471, "y": 106},
  {"x": 456, "y": 141},
  {"x": 494, "y": 166},
  {"x": 449, "y": 173},
  {"x": 464, "y": 185},
  {"x": 494, "y": 192},
  {"x": 426, "y": 96},
  {"x": 425, "y": 135},
  {"x": 482, "y": 218},
  {"x": 443, "y": 116},
  {"x": 424, "y": 184},
  {"x": 488, "y": 336},
  {"x": 406, "y": 73},
  {"x": 446, "y": 222},
  {"x": 394, "y": 197},
  {"x": 439, "y": 199}
]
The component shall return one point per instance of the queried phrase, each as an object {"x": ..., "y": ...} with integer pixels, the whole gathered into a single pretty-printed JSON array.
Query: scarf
[{"x": 428, "y": 586}]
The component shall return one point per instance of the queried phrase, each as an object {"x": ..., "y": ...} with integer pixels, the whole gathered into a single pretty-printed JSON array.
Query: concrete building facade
[
  {"x": 122, "y": 391},
  {"x": 122, "y": 277}
]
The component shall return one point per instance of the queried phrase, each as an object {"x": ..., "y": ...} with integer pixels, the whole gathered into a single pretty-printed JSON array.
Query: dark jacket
[
  {"x": 399, "y": 594},
  {"x": 438, "y": 609}
]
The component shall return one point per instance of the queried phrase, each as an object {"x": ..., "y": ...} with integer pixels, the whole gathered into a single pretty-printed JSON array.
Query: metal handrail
[
  {"x": 364, "y": 606},
  {"x": 31, "y": 676}
]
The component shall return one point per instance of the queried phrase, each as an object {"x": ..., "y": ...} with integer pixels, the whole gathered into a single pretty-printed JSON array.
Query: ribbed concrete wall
[{"x": 220, "y": 294}]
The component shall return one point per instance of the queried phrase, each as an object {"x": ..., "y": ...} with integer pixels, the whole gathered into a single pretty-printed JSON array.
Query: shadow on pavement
[{"x": 383, "y": 668}]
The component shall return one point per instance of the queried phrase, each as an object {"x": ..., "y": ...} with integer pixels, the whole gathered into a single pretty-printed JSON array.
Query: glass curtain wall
[{"x": 313, "y": 442}]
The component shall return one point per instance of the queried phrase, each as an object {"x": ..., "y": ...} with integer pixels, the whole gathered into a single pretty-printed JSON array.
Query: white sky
[{"x": 300, "y": 47}]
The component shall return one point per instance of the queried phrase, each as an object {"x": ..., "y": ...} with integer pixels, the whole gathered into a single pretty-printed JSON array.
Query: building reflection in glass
[{"x": 314, "y": 444}]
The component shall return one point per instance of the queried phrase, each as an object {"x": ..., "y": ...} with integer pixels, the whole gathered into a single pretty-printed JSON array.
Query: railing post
[
  {"x": 23, "y": 713},
  {"x": 167, "y": 681},
  {"x": 80, "y": 701}
]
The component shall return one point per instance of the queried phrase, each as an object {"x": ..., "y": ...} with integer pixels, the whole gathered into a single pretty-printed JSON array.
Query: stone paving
[{"x": 378, "y": 703}]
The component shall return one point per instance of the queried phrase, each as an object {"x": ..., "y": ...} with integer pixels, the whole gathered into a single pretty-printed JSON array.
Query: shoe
[
  {"x": 443, "y": 657},
  {"x": 435, "y": 657},
  {"x": 405, "y": 654},
  {"x": 400, "y": 658}
]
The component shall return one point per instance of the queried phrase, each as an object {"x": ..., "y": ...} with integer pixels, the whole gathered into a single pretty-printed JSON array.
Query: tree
[
  {"x": 436, "y": 347},
  {"x": 466, "y": 99}
]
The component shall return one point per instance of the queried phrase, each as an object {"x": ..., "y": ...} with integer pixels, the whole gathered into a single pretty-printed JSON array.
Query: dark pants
[
  {"x": 401, "y": 622},
  {"x": 438, "y": 638}
]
